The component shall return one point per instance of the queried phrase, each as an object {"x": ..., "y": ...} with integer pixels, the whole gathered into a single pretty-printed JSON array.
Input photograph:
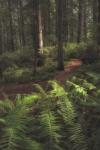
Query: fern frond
[
  {"x": 15, "y": 126},
  {"x": 29, "y": 144},
  {"x": 41, "y": 90},
  {"x": 8, "y": 141},
  {"x": 6, "y": 105},
  {"x": 57, "y": 90},
  {"x": 27, "y": 100},
  {"x": 50, "y": 129},
  {"x": 77, "y": 137}
]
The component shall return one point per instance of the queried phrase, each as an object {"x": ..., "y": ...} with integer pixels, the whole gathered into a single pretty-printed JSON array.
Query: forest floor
[{"x": 12, "y": 90}]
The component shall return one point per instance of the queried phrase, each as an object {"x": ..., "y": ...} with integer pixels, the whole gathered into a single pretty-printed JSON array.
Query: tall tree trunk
[
  {"x": 49, "y": 17},
  {"x": 85, "y": 20},
  {"x": 0, "y": 38},
  {"x": 59, "y": 9},
  {"x": 95, "y": 20},
  {"x": 21, "y": 24},
  {"x": 40, "y": 29},
  {"x": 65, "y": 20},
  {"x": 71, "y": 21},
  {"x": 37, "y": 32},
  {"x": 98, "y": 27},
  {"x": 11, "y": 44},
  {"x": 80, "y": 10}
]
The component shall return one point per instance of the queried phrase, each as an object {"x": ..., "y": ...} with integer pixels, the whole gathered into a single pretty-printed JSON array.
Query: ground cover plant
[{"x": 43, "y": 120}]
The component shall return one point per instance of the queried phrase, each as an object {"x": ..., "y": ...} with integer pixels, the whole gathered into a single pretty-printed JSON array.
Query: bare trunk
[
  {"x": 40, "y": 27},
  {"x": 95, "y": 20},
  {"x": 79, "y": 33},
  {"x": 59, "y": 8},
  {"x": 21, "y": 24},
  {"x": 11, "y": 44},
  {"x": 98, "y": 27},
  {"x": 37, "y": 32},
  {"x": 85, "y": 21}
]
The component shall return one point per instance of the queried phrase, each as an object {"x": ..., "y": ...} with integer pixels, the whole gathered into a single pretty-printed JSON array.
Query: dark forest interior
[{"x": 49, "y": 74}]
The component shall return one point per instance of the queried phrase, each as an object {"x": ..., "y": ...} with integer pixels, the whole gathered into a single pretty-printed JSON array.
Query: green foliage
[
  {"x": 44, "y": 120},
  {"x": 19, "y": 57},
  {"x": 74, "y": 50},
  {"x": 16, "y": 74},
  {"x": 18, "y": 66},
  {"x": 84, "y": 90},
  {"x": 86, "y": 51},
  {"x": 14, "y": 125}
]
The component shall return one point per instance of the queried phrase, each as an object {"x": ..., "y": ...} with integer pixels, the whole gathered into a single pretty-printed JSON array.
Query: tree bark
[
  {"x": 11, "y": 44},
  {"x": 37, "y": 32},
  {"x": 71, "y": 21},
  {"x": 21, "y": 24},
  {"x": 95, "y": 20},
  {"x": 85, "y": 20},
  {"x": 80, "y": 10},
  {"x": 98, "y": 27},
  {"x": 59, "y": 9}
]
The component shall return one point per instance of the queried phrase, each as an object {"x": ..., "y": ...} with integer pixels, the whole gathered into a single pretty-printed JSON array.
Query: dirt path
[
  {"x": 72, "y": 66},
  {"x": 12, "y": 90}
]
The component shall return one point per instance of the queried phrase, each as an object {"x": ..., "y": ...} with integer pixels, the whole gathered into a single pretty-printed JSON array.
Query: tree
[
  {"x": 85, "y": 20},
  {"x": 37, "y": 32},
  {"x": 95, "y": 19},
  {"x": 11, "y": 42},
  {"x": 71, "y": 20},
  {"x": 80, "y": 8},
  {"x": 59, "y": 9},
  {"x": 21, "y": 24},
  {"x": 65, "y": 24},
  {"x": 98, "y": 27}
]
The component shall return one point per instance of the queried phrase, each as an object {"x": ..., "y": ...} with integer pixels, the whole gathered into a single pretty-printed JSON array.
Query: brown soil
[{"x": 12, "y": 90}]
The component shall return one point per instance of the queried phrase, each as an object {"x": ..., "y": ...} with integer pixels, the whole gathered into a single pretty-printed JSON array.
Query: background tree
[
  {"x": 98, "y": 33},
  {"x": 80, "y": 12},
  {"x": 59, "y": 9}
]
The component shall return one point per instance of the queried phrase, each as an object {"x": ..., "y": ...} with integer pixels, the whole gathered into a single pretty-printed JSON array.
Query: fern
[
  {"x": 50, "y": 129},
  {"x": 69, "y": 115},
  {"x": 15, "y": 121},
  {"x": 53, "y": 126}
]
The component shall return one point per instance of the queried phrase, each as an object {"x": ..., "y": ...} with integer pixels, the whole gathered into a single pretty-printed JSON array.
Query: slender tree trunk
[
  {"x": 72, "y": 21},
  {"x": 59, "y": 9},
  {"x": 0, "y": 39},
  {"x": 79, "y": 33},
  {"x": 65, "y": 20},
  {"x": 37, "y": 32},
  {"x": 11, "y": 44},
  {"x": 85, "y": 21},
  {"x": 98, "y": 27},
  {"x": 1, "y": 35},
  {"x": 21, "y": 24},
  {"x": 40, "y": 29},
  {"x": 95, "y": 20},
  {"x": 48, "y": 21}
]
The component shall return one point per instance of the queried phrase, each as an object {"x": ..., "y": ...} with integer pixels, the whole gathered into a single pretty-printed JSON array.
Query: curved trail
[{"x": 61, "y": 76}]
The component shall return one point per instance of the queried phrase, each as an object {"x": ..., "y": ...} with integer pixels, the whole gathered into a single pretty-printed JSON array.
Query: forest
[{"x": 49, "y": 74}]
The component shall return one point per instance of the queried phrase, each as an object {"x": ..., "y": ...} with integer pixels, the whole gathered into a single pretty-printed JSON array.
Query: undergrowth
[{"x": 46, "y": 120}]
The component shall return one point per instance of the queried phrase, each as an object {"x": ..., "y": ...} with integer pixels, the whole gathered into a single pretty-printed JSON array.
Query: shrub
[
  {"x": 18, "y": 57},
  {"x": 91, "y": 54},
  {"x": 74, "y": 50},
  {"x": 51, "y": 52},
  {"x": 85, "y": 51},
  {"x": 16, "y": 74},
  {"x": 50, "y": 65}
]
